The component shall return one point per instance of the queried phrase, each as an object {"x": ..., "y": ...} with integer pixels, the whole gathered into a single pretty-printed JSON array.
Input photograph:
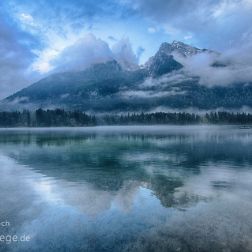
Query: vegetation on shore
[{"x": 60, "y": 117}]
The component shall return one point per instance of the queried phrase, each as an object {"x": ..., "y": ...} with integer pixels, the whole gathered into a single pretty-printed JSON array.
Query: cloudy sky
[{"x": 43, "y": 36}]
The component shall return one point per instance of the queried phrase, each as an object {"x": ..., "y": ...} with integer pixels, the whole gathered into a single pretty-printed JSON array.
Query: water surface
[{"x": 162, "y": 188}]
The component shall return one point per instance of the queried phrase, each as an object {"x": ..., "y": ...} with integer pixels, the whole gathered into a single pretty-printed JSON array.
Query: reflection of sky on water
[{"x": 112, "y": 192}]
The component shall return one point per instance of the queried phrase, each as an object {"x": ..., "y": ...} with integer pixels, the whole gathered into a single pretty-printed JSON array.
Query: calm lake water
[{"x": 164, "y": 188}]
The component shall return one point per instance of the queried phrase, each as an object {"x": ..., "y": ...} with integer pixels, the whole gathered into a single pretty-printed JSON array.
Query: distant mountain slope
[{"x": 159, "y": 85}]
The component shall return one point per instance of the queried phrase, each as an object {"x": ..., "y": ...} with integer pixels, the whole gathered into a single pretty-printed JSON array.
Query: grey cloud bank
[
  {"x": 235, "y": 66},
  {"x": 90, "y": 50}
]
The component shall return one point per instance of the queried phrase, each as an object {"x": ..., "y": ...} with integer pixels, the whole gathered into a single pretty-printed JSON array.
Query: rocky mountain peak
[{"x": 178, "y": 47}]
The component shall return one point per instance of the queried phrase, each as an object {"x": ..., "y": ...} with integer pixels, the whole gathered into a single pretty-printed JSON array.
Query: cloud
[
  {"x": 87, "y": 51},
  {"x": 188, "y": 37},
  {"x": 235, "y": 66},
  {"x": 60, "y": 25},
  {"x": 15, "y": 59},
  {"x": 163, "y": 86},
  {"x": 26, "y": 18},
  {"x": 166, "y": 80},
  {"x": 123, "y": 53},
  {"x": 152, "y": 30},
  {"x": 84, "y": 52},
  {"x": 204, "y": 20},
  {"x": 150, "y": 94}
]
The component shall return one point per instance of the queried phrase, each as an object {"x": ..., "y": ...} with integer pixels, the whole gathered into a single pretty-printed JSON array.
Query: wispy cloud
[{"x": 235, "y": 66}]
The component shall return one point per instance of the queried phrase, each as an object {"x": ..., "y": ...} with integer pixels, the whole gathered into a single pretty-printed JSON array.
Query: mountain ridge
[{"x": 108, "y": 87}]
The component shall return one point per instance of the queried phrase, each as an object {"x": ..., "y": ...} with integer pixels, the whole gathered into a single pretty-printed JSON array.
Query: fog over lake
[{"x": 132, "y": 188}]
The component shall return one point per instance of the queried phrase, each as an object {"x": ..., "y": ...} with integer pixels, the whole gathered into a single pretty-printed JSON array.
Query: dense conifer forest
[{"x": 59, "y": 117}]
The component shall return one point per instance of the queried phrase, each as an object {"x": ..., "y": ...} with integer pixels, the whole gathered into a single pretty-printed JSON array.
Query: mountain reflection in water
[{"x": 163, "y": 188}]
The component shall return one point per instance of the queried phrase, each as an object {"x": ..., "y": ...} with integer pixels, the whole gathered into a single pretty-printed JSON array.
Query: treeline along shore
[{"x": 60, "y": 118}]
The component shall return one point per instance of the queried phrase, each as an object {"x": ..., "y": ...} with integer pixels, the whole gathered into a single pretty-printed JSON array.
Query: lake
[{"x": 128, "y": 188}]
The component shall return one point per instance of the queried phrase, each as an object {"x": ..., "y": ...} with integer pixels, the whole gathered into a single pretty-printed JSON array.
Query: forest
[{"x": 60, "y": 118}]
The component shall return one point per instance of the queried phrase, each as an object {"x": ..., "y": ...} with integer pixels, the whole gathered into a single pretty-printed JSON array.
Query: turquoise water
[{"x": 162, "y": 188}]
